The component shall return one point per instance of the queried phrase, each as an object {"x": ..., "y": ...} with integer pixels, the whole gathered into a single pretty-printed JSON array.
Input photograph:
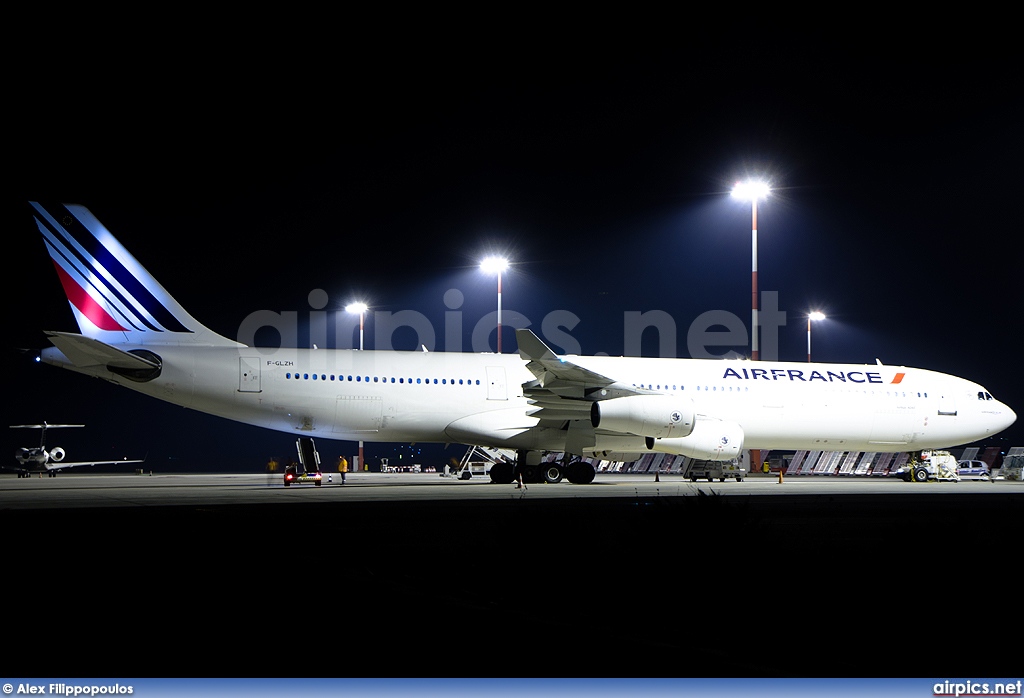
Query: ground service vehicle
[
  {"x": 292, "y": 475},
  {"x": 308, "y": 467},
  {"x": 939, "y": 466},
  {"x": 1013, "y": 464},
  {"x": 712, "y": 469}
]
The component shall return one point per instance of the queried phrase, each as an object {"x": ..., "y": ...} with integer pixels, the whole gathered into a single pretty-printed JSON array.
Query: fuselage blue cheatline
[{"x": 133, "y": 333}]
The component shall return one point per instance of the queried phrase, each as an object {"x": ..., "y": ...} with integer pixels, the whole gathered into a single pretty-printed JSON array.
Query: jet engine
[
  {"x": 57, "y": 454},
  {"x": 712, "y": 439},
  {"x": 657, "y": 416}
]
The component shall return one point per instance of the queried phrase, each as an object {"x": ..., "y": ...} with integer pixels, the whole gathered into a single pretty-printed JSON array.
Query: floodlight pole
[
  {"x": 499, "y": 312},
  {"x": 754, "y": 190},
  {"x": 496, "y": 265},
  {"x": 361, "y": 309},
  {"x": 812, "y": 316},
  {"x": 362, "y": 314},
  {"x": 754, "y": 353},
  {"x": 808, "y": 339}
]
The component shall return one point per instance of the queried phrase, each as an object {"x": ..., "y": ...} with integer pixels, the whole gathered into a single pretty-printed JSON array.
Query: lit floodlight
[
  {"x": 494, "y": 265},
  {"x": 751, "y": 190},
  {"x": 816, "y": 315},
  {"x": 359, "y": 308}
]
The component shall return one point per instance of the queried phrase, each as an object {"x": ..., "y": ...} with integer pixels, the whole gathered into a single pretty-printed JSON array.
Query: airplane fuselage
[{"x": 479, "y": 398}]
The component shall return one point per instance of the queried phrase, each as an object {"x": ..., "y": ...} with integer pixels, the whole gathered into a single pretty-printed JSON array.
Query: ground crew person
[{"x": 342, "y": 467}]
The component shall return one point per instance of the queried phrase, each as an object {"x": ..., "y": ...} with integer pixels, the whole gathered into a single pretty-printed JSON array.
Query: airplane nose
[{"x": 1001, "y": 418}]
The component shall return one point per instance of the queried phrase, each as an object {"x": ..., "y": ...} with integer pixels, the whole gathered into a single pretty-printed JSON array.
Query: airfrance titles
[{"x": 794, "y": 374}]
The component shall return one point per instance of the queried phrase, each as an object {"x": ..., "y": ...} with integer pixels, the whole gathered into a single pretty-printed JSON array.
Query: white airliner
[
  {"x": 135, "y": 334},
  {"x": 50, "y": 461}
]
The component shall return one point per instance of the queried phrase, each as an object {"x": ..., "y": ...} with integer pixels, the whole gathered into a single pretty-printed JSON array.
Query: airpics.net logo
[
  {"x": 977, "y": 688},
  {"x": 714, "y": 334}
]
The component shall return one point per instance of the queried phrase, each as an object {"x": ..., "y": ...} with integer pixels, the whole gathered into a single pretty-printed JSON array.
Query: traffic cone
[
  {"x": 780, "y": 476},
  {"x": 657, "y": 476}
]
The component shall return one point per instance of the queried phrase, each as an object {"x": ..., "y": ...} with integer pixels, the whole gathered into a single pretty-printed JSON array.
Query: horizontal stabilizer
[{"x": 84, "y": 353}]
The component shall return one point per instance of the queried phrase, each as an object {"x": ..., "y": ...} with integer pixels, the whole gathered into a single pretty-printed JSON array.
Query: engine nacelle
[
  {"x": 712, "y": 439},
  {"x": 57, "y": 454},
  {"x": 658, "y": 416}
]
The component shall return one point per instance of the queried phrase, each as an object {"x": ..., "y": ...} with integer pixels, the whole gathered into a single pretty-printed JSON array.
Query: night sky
[{"x": 246, "y": 175}]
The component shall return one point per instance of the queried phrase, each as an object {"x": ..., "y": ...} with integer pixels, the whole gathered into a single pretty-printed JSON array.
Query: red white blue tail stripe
[{"x": 115, "y": 300}]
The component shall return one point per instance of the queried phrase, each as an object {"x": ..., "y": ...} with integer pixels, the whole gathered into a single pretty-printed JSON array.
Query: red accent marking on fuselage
[
  {"x": 85, "y": 303},
  {"x": 898, "y": 378}
]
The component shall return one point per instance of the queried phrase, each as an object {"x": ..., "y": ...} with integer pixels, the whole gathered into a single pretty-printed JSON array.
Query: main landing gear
[{"x": 577, "y": 471}]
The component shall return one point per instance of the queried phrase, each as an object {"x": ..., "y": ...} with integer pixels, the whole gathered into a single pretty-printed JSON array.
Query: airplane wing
[
  {"x": 44, "y": 425},
  {"x": 61, "y": 465},
  {"x": 563, "y": 390}
]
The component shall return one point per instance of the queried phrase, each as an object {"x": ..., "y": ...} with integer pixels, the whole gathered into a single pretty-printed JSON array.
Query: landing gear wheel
[
  {"x": 551, "y": 473},
  {"x": 580, "y": 473},
  {"x": 501, "y": 473}
]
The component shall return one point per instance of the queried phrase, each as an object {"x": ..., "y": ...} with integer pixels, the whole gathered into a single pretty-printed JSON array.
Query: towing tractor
[{"x": 929, "y": 466}]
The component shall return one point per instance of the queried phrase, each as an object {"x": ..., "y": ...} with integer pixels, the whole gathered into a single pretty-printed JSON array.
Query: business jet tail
[{"x": 114, "y": 299}]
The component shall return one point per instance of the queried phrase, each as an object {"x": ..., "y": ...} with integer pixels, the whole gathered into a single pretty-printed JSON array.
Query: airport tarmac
[
  {"x": 419, "y": 575},
  {"x": 88, "y": 490}
]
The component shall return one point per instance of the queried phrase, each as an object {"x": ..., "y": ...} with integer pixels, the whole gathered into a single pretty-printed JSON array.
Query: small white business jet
[
  {"x": 133, "y": 333},
  {"x": 40, "y": 459}
]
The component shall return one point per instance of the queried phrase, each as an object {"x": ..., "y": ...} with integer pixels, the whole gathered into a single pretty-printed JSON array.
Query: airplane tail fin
[{"x": 114, "y": 299}]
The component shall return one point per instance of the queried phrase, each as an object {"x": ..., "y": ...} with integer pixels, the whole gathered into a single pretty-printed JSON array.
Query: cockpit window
[{"x": 985, "y": 396}]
